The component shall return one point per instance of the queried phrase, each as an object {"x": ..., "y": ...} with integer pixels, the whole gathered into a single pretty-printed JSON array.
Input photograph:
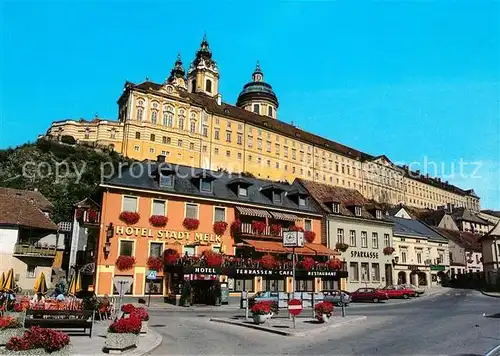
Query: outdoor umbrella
[
  {"x": 75, "y": 285},
  {"x": 2, "y": 280},
  {"x": 40, "y": 285},
  {"x": 8, "y": 284}
]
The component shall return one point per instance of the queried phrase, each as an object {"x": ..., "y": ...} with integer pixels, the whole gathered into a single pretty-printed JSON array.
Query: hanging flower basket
[
  {"x": 389, "y": 250},
  {"x": 258, "y": 226},
  {"x": 309, "y": 236},
  {"x": 129, "y": 217},
  {"x": 307, "y": 263},
  {"x": 296, "y": 228},
  {"x": 334, "y": 264},
  {"x": 341, "y": 246},
  {"x": 124, "y": 263},
  {"x": 220, "y": 227},
  {"x": 268, "y": 261},
  {"x": 170, "y": 257},
  {"x": 213, "y": 259},
  {"x": 275, "y": 229},
  {"x": 158, "y": 220},
  {"x": 155, "y": 263},
  {"x": 191, "y": 224},
  {"x": 235, "y": 227}
]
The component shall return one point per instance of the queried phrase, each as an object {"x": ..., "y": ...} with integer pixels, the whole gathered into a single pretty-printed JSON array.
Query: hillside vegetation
[{"x": 65, "y": 174}]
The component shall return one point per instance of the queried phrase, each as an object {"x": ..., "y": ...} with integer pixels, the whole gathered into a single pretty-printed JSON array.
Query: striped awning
[
  {"x": 284, "y": 216},
  {"x": 321, "y": 250},
  {"x": 253, "y": 212}
]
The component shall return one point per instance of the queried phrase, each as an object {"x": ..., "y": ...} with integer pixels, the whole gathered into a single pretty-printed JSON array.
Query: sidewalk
[{"x": 83, "y": 345}]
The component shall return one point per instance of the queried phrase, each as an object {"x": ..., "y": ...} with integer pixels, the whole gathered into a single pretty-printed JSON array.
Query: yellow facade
[{"x": 167, "y": 120}]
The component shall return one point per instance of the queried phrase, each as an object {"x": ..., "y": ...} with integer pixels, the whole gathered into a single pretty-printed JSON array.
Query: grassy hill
[{"x": 65, "y": 174}]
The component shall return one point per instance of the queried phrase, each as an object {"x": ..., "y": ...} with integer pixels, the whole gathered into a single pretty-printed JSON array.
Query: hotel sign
[
  {"x": 182, "y": 237},
  {"x": 364, "y": 254}
]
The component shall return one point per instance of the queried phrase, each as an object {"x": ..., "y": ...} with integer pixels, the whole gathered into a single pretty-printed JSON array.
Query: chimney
[{"x": 160, "y": 158}]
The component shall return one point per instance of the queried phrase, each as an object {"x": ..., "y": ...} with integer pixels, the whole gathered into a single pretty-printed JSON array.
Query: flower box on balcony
[
  {"x": 309, "y": 236},
  {"x": 275, "y": 229},
  {"x": 129, "y": 217},
  {"x": 155, "y": 263},
  {"x": 258, "y": 226}
]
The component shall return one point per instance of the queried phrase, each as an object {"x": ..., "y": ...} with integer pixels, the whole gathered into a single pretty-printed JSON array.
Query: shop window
[
  {"x": 127, "y": 292},
  {"x": 129, "y": 204},
  {"x": 154, "y": 286},
  {"x": 158, "y": 207},
  {"x": 374, "y": 240},
  {"x": 274, "y": 285},
  {"x": 189, "y": 250},
  {"x": 330, "y": 285},
  {"x": 30, "y": 271},
  {"x": 304, "y": 285},
  {"x": 220, "y": 214},
  {"x": 375, "y": 272},
  {"x": 365, "y": 272},
  {"x": 192, "y": 211},
  {"x": 307, "y": 224},
  {"x": 353, "y": 271},
  {"x": 126, "y": 247},
  {"x": 364, "y": 239},
  {"x": 352, "y": 238},
  {"x": 244, "y": 285},
  {"x": 155, "y": 249}
]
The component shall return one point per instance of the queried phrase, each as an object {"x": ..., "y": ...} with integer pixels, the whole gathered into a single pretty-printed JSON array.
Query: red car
[
  {"x": 398, "y": 292},
  {"x": 368, "y": 295}
]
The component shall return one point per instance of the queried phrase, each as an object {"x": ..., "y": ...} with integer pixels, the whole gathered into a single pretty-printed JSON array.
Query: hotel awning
[
  {"x": 284, "y": 216},
  {"x": 266, "y": 246},
  {"x": 321, "y": 249},
  {"x": 301, "y": 251},
  {"x": 253, "y": 212}
]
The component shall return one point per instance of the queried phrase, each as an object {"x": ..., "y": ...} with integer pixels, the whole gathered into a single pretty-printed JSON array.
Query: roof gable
[{"x": 18, "y": 211}]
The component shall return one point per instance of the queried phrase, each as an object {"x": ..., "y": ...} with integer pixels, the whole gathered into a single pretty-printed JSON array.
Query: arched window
[
  {"x": 87, "y": 133},
  {"x": 139, "y": 114},
  {"x": 154, "y": 116},
  {"x": 193, "y": 126},
  {"x": 181, "y": 122},
  {"x": 208, "y": 86},
  {"x": 113, "y": 134}
]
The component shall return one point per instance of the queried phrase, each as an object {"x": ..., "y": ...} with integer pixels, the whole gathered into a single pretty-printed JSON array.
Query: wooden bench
[{"x": 61, "y": 319}]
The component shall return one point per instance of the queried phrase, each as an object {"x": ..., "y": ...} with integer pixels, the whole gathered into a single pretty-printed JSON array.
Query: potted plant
[
  {"x": 309, "y": 236},
  {"x": 123, "y": 334},
  {"x": 129, "y": 217},
  {"x": 124, "y": 263},
  {"x": 9, "y": 327},
  {"x": 296, "y": 228},
  {"x": 389, "y": 250},
  {"x": 37, "y": 341},
  {"x": 334, "y": 264},
  {"x": 323, "y": 311},
  {"x": 220, "y": 227},
  {"x": 341, "y": 246},
  {"x": 158, "y": 220},
  {"x": 127, "y": 310},
  {"x": 268, "y": 261},
  {"x": 261, "y": 312},
  {"x": 213, "y": 259},
  {"x": 235, "y": 227},
  {"x": 142, "y": 314}
]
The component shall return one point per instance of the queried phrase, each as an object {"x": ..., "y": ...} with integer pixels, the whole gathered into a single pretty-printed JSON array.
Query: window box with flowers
[
  {"x": 124, "y": 263},
  {"x": 39, "y": 341},
  {"x": 9, "y": 327},
  {"x": 158, "y": 220},
  {"x": 236, "y": 227},
  {"x": 191, "y": 224},
  {"x": 123, "y": 334},
  {"x": 307, "y": 263},
  {"x": 309, "y": 236},
  {"x": 389, "y": 250},
  {"x": 275, "y": 229},
  {"x": 213, "y": 259},
  {"x": 261, "y": 312},
  {"x": 323, "y": 311},
  {"x": 129, "y": 217},
  {"x": 268, "y": 261},
  {"x": 258, "y": 226},
  {"x": 220, "y": 227},
  {"x": 341, "y": 246}
]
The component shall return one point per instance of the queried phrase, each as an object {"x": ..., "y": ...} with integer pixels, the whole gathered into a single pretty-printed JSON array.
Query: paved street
[{"x": 448, "y": 324}]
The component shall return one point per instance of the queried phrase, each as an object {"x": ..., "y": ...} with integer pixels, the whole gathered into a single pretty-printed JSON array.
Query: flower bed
[
  {"x": 191, "y": 224},
  {"x": 9, "y": 327},
  {"x": 388, "y": 250},
  {"x": 142, "y": 314},
  {"x": 220, "y": 227},
  {"x": 124, "y": 263},
  {"x": 155, "y": 263},
  {"x": 129, "y": 217},
  {"x": 309, "y": 236},
  {"x": 123, "y": 334},
  {"x": 158, "y": 220},
  {"x": 341, "y": 246},
  {"x": 38, "y": 340}
]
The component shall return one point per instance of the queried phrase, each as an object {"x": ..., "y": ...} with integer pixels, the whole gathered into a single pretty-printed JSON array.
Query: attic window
[
  {"x": 226, "y": 110},
  {"x": 357, "y": 210},
  {"x": 166, "y": 180},
  {"x": 242, "y": 191},
  {"x": 378, "y": 214},
  {"x": 336, "y": 208},
  {"x": 302, "y": 201},
  {"x": 205, "y": 185},
  {"x": 264, "y": 123},
  {"x": 297, "y": 134},
  {"x": 276, "y": 196}
]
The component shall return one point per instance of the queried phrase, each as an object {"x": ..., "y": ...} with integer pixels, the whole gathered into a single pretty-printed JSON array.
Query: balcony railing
[
  {"x": 34, "y": 251},
  {"x": 247, "y": 229}
]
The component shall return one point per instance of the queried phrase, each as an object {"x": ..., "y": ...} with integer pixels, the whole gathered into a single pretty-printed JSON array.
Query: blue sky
[{"x": 413, "y": 80}]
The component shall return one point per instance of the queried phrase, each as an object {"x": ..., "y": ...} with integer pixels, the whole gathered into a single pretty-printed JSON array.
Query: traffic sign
[
  {"x": 151, "y": 274},
  {"x": 294, "y": 307}
]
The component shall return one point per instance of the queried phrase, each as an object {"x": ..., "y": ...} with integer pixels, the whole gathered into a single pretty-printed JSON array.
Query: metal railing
[
  {"x": 34, "y": 250},
  {"x": 247, "y": 229}
]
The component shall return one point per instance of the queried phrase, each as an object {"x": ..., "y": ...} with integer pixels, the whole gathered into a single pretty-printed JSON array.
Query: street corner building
[
  {"x": 203, "y": 228},
  {"x": 358, "y": 229}
]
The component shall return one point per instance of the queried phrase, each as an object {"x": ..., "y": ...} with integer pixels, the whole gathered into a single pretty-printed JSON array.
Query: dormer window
[
  {"x": 239, "y": 186},
  {"x": 302, "y": 201},
  {"x": 205, "y": 185},
  {"x": 378, "y": 214},
  {"x": 165, "y": 173},
  {"x": 242, "y": 191},
  {"x": 357, "y": 210},
  {"x": 336, "y": 208},
  {"x": 166, "y": 181},
  {"x": 276, "y": 196}
]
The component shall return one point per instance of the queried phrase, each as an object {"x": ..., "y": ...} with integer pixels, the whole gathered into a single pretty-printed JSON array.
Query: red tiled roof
[
  {"x": 18, "y": 211},
  {"x": 35, "y": 196},
  {"x": 464, "y": 239}
]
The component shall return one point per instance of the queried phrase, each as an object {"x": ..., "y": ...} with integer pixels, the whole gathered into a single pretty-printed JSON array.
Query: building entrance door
[
  {"x": 388, "y": 275},
  {"x": 203, "y": 292}
]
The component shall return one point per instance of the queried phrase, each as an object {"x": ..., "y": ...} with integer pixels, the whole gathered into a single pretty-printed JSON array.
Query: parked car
[
  {"x": 337, "y": 297},
  {"x": 398, "y": 292},
  {"x": 418, "y": 291},
  {"x": 264, "y": 296},
  {"x": 368, "y": 294}
]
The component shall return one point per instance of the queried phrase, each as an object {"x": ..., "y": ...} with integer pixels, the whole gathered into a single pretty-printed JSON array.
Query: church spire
[
  {"x": 203, "y": 74},
  {"x": 257, "y": 75},
  {"x": 177, "y": 73}
]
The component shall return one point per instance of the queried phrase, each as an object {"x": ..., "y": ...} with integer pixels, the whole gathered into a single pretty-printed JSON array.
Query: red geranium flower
[
  {"x": 268, "y": 261},
  {"x": 140, "y": 313},
  {"x": 213, "y": 259},
  {"x": 388, "y": 250},
  {"x": 158, "y": 220},
  {"x": 307, "y": 263},
  {"x": 236, "y": 226},
  {"x": 334, "y": 264},
  {"x": 296, "y": 228},
  {"x": 124, "y": 263},
  {"x": 309, "y": 236},
  {"x": 258, "y": 226},
  {"x": 155, "y": 263},
  {"x": 220, "y": 227},
  {"x": 170, "y": 257},
  {"x": 275, "y": 229},
  {"x": 129, "y": 217},
  {"x": 261, "y": 308},
  {"x": 130, "y": 325},
  {"x": 191, "y": 224},
  {"x": 128, "y": 308}
]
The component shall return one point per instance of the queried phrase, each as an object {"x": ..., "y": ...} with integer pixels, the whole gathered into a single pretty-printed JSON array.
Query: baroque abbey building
[{"x": 185, "y": 120}]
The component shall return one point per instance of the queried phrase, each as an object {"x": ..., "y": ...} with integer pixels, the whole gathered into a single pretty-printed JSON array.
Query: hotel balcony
[
  {"x": 24, "y": 250},
  {"x": 247, "y": 229},
  {"x": 88, "y": 217}
]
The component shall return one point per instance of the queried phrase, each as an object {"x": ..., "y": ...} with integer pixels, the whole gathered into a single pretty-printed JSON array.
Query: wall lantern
[
  {"x": 107, "y": 249},
  {"x": 110, "y": 231},
  {"x": 395, "y": 260}
]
